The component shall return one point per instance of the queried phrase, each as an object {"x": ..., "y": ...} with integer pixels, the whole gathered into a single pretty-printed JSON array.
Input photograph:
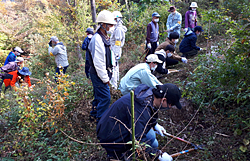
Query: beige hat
[
  {"x": 19, "y": 59},
  {"x": 153, "y": 58},
  {"x": 194, "y": 4}
]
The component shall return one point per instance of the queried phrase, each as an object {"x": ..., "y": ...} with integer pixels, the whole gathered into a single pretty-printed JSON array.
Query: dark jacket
[
  {"x": 85, "y": 45},
  {"x": 11, "y": 66},
  {"x": 10, "y": 58},
  {"x": 189, "y": 42},
  {"x": 160, "y": 67},
  {"x": 109, "y": 130}
]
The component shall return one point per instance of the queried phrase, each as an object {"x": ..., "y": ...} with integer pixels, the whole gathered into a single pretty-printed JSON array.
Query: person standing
[
  {"x": 152, "y": 39},
  {"x": 115, "y": 124},
  {"x": 191, "y": 17},
  {"x": 174, "y": 21},
  {"x": 12, "y": 55},
  {"x": 117, "y": 41},
  {"x": 188, "y": 45},
  {"x": 60, "y": 53},
  {"x": 85, "y": 44},
  {"x": 101, "y": 63},
  {"x": 141, "y": 74}
]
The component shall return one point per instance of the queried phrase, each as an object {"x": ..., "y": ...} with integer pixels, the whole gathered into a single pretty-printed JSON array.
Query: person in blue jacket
[
  {"x": 115, "y": 123},
  {"x": 188, "y": 45},
  {"x": 12, "y": 55},
  {"x": 85, "y": 44}
]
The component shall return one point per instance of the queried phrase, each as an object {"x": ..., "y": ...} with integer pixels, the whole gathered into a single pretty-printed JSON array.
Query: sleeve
[
  {"x": 99, "y": 59},
  {"x": 85, "y": 44},
  {"x": 176, "y": 57},
  {"x": 11, "y": 58},
  {"x": 168, "y": 21},
  {"x": 149, "y": 30},
  {"x": 193, "y": 43},
  {"x": 28, "y": 81},
  {"x": 149, "y": 79},
  {"x": 13, "y": 81},
  {"x": 161, "y": 70},
  {"x": 186, "y": 20},
  {"x": 195, "y": 19},
  {"x": 178, "y": 24},
  {"x": 53, "y": 51}
]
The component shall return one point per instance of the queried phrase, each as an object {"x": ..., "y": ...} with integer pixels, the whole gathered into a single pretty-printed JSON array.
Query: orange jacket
[{"x": 12, "y": 82}]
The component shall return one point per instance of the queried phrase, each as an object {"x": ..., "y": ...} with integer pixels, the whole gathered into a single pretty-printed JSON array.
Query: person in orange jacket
[{"x": 19, "y": 76}]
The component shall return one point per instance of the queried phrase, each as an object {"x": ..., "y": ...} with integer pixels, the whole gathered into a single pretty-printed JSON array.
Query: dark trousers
[
  {"x": 87, "y": 66},
  {"x": 101, "y": 94},
  {"x": 153, "y": 47},
  {"x": 190, "y": 54},
  {"x": 170, "y": 62},
  {"x": 58, "y": 72},
  {"x": 5, "y": 76}
]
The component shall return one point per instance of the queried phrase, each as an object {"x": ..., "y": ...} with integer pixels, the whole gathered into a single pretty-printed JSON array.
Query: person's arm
[
  {"x": 11, "y": 58},
  {"x": 28, "y": 80},
  {"x": 193, "y": 43},
  {"x": 85, "y": 44},
  {"x": 14, "y": 78},
  {"x": 178, "y": 24},
  {"x": 161, "y": 70},
  {"x": 53, "y": 51},
  {"x": 186, "y": 20},
  {"x": 149, "y": 79},
  {"x": 195, "y": 23},
  {"x": 176, "y": 57},
  {"x": 97, "y": 50},
  {"x": 149, "y": 30}
]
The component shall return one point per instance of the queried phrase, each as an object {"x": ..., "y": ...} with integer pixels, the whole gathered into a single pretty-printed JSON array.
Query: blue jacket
[
  {"x": 109, "y": 130},
  {"x": 85, "y": 45},
  {"x": 10, "y": 58},
  {"x": 189, "y": 42}
]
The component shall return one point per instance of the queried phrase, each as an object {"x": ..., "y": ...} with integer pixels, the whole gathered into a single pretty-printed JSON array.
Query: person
[
  {"x": 115, "y": 124},
  {"x": 188, "y": 45},
  {"x": 174, "y": 21},
  {"x": 172, "y": 58},
  {"x": 18, "y": 76},
  {"x": 191, "y": 17},
  {"x": 85, "y": 44},
  {"x": 101, "y": 63},
  {"x": 60, "y": 53},
  {"x": 152, "y": 39},
  {"x": 13, "y": 54},
  {"x": 117, "y": 41},
  {"x": 11, "y": 66},
  {"x": 140, "y": 74}
]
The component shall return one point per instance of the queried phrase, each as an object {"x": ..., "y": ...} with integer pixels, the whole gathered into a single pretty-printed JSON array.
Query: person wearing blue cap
[
  {"x": 188, "y": 45},
  {"x": 152, "y": 39},
  {"x": 85, "y": 44}
]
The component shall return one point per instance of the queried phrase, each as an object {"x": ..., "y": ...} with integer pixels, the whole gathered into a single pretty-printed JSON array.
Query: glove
[
  {"x": 169, "y": 54},
  {"x": 201, "y": 49},
  {"x": 160, "y": 130},
  {"x": 165, "y": 157},
  {"x": 157, "y": 43},
  {"x": 186, "y": 29},
  {"x": 171, "y": 29},
  {"x": 149, "y": 45},
  {"x": 184, "y": 60}
]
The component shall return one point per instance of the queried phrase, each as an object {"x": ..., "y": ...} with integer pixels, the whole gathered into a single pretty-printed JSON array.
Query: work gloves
[
  {"x": 201, "y": 49},
  {"x": 186, "y": 29},
  {"x": 165, "y": 157},
  {"x": 149, "y": 46},
  {"x": 157, "y": 43},
  {"x": 159, "y": 129},
  {"x": 184, "y": 60}
]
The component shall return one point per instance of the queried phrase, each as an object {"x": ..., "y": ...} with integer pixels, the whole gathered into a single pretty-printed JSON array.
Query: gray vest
[{"x": 155, "y": 32}]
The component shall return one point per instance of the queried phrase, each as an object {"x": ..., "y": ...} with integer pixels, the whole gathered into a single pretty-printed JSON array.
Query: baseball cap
[
  {"x": 198, "y": 28},
  {"x": 172, "y": 8},
  {"x": 90, "y": 30},
  {"x": 171, "y": 92},
  {"x": 155, "y": 14},
  {"x": 18, "y": 49},
  {"x": 153, "y": 58},
  {"x": 19, "y": 59},
  {"x": 54, "y": 38}
]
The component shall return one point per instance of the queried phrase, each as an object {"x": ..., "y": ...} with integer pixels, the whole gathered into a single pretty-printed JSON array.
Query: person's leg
[
  {"x": 151, "y": 136},
  {"x": 56, "y": 74},
  {"x": 190, "y": 54},
  {"x": 154, "y": 46},
  {"x": 64, "y": 69},
  {"x": 115, "y": 76},
  {"x": 170, "y": 62},
  {"x": 87, "y": 66}
]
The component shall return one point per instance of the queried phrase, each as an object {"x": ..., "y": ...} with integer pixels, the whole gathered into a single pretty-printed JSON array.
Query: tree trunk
[{"x": 93, "y": 12}]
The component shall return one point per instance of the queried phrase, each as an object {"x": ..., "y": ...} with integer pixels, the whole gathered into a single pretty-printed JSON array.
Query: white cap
[
  {"x": 194, "y": 4},
  {"x": 54, "y": 38},
  {"x": 117, "y": 14},
  {"x": 19, "y": 59},
  {"x": 18, "y": 49},
  {"x": 106, "y": 17},
  {"x": 153, "y": 58}
]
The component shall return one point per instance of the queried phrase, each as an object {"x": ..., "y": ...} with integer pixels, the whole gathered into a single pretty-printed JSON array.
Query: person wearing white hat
[
  {"x": 12, "y": 55},
  {"x": 117, "y": 41},
  {"x": 191, "y": 17},
  {"x": 141, "y": 74},
  {"x": 100, "y": 61}
]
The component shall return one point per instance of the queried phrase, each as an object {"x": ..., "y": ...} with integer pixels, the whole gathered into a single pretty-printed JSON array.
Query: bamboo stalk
[{"x": 132, "y": 122}]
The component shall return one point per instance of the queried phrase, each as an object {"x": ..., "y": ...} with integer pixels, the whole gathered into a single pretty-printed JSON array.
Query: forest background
[{"x": 215, "y": 84}]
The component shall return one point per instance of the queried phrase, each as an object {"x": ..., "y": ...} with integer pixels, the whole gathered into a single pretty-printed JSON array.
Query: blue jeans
[
  {"x": 101, "y": 94},
  {"x": 151, "y": 136}
]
